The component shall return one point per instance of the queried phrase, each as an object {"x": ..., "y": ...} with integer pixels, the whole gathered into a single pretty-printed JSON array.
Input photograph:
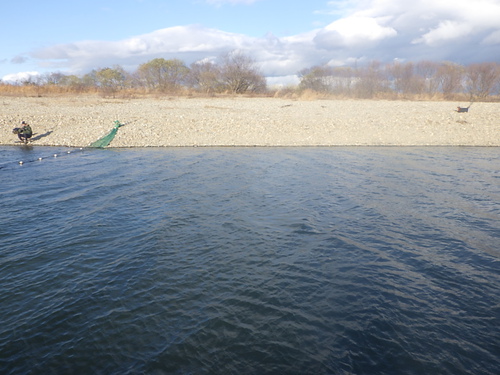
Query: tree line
[
  {"x": 406, "y": 80},
  {"x": 234, "y": 73},
  {"x": 237, "y": 73}
]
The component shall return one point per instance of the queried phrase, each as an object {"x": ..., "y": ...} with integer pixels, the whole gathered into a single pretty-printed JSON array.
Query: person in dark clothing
[{"x": 24, "y": 132}]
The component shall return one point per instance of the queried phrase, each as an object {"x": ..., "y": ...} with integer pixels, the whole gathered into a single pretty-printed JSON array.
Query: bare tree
[
  {"x": 426, "y": 72},
  {"x": 482, "y": 79},
  {"x": 450, "y": 77},
  {"x": 109, "y": 80},
  {"x": 404, "y": 78},
  {"x": 315, "y": 78},
  {"x": 53, "y": 78},
  {"x": 327, "y": 79},
  {"x": 163, "y": 75},
  {"x": 72, "y": 82},
  {"x": 371, "y": 81},
  {"x": 205, "y": 76},
  {"x": 238, "y": 74},
  {"x": 341, "y": 80}
]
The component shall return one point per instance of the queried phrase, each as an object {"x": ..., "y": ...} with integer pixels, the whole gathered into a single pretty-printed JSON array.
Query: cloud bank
[
  {"x": 462, "y": 31},
  {"x": 21, "y": 77}
]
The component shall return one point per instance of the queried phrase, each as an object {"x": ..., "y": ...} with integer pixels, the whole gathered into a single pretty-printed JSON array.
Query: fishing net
[{"x": 106, "y": 140}]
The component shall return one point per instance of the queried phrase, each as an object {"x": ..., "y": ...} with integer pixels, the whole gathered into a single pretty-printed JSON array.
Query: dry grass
[
  {"x": 289, "y": 92},
  {"x": 39, "y": 91}
]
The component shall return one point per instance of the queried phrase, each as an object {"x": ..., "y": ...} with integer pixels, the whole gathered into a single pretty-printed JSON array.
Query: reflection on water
[{"x": 256, "y": 260}]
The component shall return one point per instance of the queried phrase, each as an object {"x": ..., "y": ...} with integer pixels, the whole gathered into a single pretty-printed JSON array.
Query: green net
[{"x": 106, "y": 140}]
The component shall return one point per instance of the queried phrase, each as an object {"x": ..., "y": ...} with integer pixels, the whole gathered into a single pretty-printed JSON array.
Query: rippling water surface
[{"x": 250, "y": 261}]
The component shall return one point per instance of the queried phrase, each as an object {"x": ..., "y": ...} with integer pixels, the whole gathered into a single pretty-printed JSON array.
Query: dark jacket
[{"x": 26, "y": 129}]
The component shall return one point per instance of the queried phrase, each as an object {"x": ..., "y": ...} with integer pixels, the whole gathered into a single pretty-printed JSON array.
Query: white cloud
[
  {"x": 281, "y": 82},
  {"x": 493, "y": 38},
  {"x": 189, "y": 43},
  {"x": 21, "y": 77},
  {"x": 353, "y": 31},
  {"x": 456, "y": 30},
  {"x": 137, "y": 45},
  {"x": 444, "y": 32}
]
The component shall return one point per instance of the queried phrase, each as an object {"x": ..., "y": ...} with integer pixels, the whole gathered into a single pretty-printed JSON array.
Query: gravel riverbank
[{"x": 78, "y": 121}]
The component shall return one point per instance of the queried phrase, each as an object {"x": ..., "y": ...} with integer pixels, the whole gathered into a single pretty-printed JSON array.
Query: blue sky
[{"x": 283, "y": 36}]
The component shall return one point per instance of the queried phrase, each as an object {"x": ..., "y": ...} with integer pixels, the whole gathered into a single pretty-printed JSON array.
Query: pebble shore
[{"x": 198, "y": 122}]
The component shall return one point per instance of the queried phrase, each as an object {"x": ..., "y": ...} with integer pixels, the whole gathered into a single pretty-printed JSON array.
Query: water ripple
[{"x": 259, "y": 261}]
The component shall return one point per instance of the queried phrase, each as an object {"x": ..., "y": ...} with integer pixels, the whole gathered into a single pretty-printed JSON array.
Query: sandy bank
[{"x": 78, "y": 121}]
